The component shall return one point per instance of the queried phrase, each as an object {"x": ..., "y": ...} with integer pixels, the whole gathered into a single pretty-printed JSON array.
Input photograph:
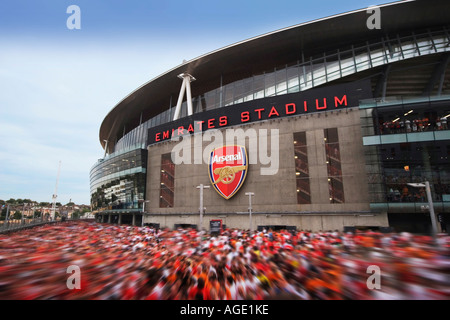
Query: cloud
[{"x": 55, "y": 94}]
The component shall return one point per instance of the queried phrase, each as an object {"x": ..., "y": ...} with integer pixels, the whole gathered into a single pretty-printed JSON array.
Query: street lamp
[
  {"x": 201, "y": 187},
  {"x": 143, "y": 212},
  {"x": 250, "y": 194},
  {"x": 426, "y": 185}
]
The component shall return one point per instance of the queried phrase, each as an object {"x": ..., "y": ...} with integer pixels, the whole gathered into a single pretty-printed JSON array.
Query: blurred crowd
[{"x": 125, "y": 262}]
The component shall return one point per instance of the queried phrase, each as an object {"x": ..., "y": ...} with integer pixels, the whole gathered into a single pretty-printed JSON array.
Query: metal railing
[{"x": 12, "y": 225}]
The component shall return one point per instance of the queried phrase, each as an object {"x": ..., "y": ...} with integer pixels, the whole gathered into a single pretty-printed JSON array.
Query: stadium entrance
[{"x": 278, "y": 228}]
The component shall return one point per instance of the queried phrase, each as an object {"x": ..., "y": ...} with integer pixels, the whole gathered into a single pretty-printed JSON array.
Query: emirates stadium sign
[{"x": 331, "y": 98}]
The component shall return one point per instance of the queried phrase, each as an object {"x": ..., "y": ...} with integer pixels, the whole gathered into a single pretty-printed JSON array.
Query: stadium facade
[{"x": 337, "y": 119}]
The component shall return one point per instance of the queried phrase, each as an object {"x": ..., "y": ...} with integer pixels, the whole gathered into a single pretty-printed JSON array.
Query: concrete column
[
  {"x": 109, "y": 217},
  {"x": 120, "y": 219},
  {"x": 134, "y": 219}
]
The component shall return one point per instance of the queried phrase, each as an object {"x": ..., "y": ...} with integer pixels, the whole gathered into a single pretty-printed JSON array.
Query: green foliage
[
  {"x": 17, "y": 215},
  {"x": 76, "y": 214}
]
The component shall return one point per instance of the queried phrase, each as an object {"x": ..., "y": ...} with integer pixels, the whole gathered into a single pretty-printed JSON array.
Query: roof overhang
[{"x": 274, "y": 49}]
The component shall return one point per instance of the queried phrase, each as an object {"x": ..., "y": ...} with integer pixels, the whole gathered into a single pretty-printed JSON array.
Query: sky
[{"x": 57, "y": 84}]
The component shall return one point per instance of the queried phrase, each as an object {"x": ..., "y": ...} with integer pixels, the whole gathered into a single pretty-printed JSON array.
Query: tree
[
  {"x": 37, "y": 214},
  {"x": 58, "y": 204},
  {"x": 17, "y": 215},
  {"x": 44, "y": 204},
  {"x": 76, "y": 214},
  {"x": 11, "y": 201},
  {"x": 3, "y": 214},
  {"x": 70, "y": 204}
]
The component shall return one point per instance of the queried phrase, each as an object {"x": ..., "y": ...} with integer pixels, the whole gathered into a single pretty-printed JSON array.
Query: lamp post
[
  {"x": 250, "y": 194},
  {"x": 7, "y": 217},
  {"x": 201, "y": 187},
  {"x": 143, "y": 212},
  {"x": 23, "y": 214},
  {"x": 426, "y": 185}
]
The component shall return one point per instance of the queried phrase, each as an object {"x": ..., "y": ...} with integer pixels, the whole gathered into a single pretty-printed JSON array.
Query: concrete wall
[
  {"x": 314, "y": 222},
  {"x": 274, "y": 193}
]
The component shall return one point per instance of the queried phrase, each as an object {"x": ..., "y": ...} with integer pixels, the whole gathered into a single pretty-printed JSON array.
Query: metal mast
[{"x": 55, "y": 195}]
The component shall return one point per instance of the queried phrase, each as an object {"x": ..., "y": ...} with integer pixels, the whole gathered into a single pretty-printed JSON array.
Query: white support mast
[
  {"x": 185, "y": 87},
  {"x": 55, "y": 195}
]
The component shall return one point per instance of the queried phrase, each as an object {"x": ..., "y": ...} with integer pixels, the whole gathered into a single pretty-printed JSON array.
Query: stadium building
[{"x": 331, "y": 124}]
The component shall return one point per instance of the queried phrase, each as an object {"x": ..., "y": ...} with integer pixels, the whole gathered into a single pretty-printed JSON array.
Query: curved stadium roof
[{"x": 268, "y": 51}]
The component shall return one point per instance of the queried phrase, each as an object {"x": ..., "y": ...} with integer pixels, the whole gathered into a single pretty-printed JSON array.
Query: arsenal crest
[{"x": 228, "y": 169}]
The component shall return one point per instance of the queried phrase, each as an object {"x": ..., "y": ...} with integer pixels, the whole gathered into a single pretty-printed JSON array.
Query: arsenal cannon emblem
[{"x": 228, "y": 169}]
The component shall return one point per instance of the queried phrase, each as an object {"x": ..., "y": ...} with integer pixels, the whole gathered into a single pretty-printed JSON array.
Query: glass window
[
  {"x": 333, "y": 161},
  {"x": 228, "y": 94},
  {"x": 167, "y": 187},
  {"x": 258, "y": 86},
  {"x": 210, "y": 100},
  {"x": 292, "y": 79},
  {"x": 248, "y": 89},
  {"x": 305, "y": 76},
  {"x": 269, "y": 84},
  {"x": 301, "y": 168},
  {"x": 281, "y": 84},
  {"x": 239, "y": 91}
]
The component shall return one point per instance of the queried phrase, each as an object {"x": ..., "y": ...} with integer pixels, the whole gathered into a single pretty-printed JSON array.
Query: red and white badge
[{"x": 227, "y": 169}]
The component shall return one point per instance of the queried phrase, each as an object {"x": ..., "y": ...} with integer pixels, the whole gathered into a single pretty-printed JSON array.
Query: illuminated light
[
  {"x": 331, "y": 199},
  {"x": 297, "y": 173},
  {"x": 327, "y": 162},
  {"x": 325, "y": 139},
  {"x": 447, "y": 116},
  {"x": 329, "y": 179},
  {"x": 295, "y": 157},
  {"x": 395, "y": 120},
  {"x": 162, "y": 171},
  {"x": 295, "y": 142},
  {"x": 408, "y": 112},
  {"x": 298, "y": 190},
  {"x": 406, "y": 168},
  {"x": 162, "y": 183}
]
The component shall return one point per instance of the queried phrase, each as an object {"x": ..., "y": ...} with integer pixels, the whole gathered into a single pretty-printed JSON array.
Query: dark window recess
[
  {"x": 333, "y": 160},
  {"x": 301, "y": 168},
  {"x": 167, "y": 188}
]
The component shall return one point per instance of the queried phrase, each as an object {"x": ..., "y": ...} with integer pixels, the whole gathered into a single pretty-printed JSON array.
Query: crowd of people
[
  {"x": 125, "y": 262},
  {"x": 414, "y": 125}
]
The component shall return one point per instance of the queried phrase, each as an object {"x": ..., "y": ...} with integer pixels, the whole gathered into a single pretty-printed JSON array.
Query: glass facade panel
[
  {"x": 258, "y": 86},
  {"x": 269, "y": 84},
  {"x": 248, "y": 89},
  {"x": 119, "y": 182},
  {"x": 411, "y": 118},
  {"x": 281, "y": 83},
  {"x": 238, "y": 92},
  {"x": 414, "y": 163},
  {"x": 228, "y": 94},
  {"x": 293, "y": 84}
]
